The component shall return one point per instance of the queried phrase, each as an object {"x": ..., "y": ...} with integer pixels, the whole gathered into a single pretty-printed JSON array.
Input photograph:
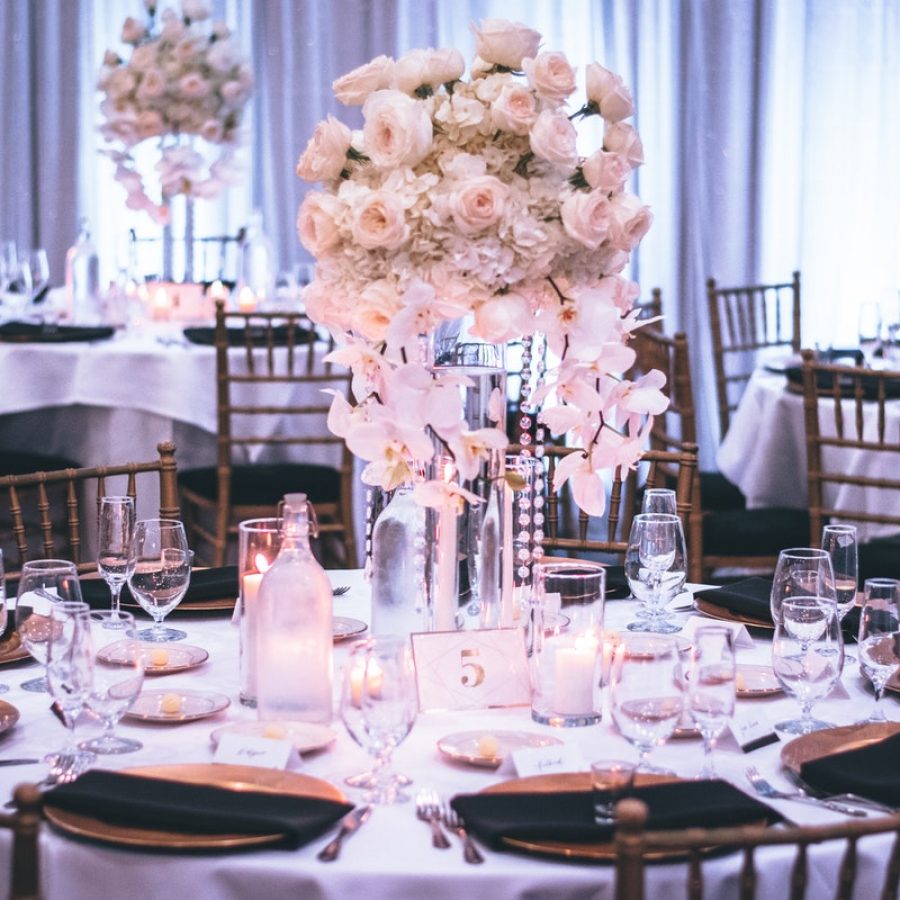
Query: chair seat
[
  {"x": 754, "y": 532},
  {"x": 879, "y": 559},
  {"x": 267, "y": 483},
  {"x": 718, "y": 493},
  {"x": 14, "y": 462}
]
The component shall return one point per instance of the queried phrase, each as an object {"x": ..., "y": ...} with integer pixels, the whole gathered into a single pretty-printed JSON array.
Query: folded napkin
[
  {"x": 237, "y": 336},
  {"x": 46, "y": 333},
  {"x": 158, "y": 803},
  {"x": 569, "y": 815},
  {"x": 870, "y": 771},
  {"x": 748, "y": 597},
  {"x": 206, "y": 584},
  {"x": 616, "y": 582}
]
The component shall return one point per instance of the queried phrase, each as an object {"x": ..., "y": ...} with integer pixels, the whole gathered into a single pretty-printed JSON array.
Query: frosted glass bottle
[
  {"x": 398, "y": 602},
  {"x": 258, "y": 261},
  {"x": 83, "y": 278},
  {"x": 294, "y": 638}
]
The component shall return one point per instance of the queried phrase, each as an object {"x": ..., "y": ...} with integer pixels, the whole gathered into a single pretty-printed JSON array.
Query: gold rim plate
[
  {"x": 12, "y": 650},
  {"x": 9, "y": 715},
  {"x": 343, "y": 628},
  {"x": 157, "y": 660},
  {"x": 487, "y": 748},
  {"x": 755, "y": 681},
  {"x": 829, "y": 741},
  {"x": 726, "y": 615},
  {"x": 306, "y": 736},
  {"x": 185, "y": 706},
  {"x": 237, "y": 778}
]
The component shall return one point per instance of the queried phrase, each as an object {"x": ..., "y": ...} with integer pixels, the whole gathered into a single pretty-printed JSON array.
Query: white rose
[
  {"x": 221, "y": 31},
  {"x": 187, "y": 49},
  {"x": 149, "y": 123},
  {"x": 515, "y": 109},
  {"x": 411, "y": 72},
  {"x": 223, "y": 56},
  {"x": 607, "y": 91},
  {"x": 326, "y": 153},
  {"x": 377, "y": 306},
  {"x": 502, "y": 318},
  {"x": 353, "y": 88},
  {"x": 586, "y": 216},
  {"x": 629, "y": 221},
  {"x": 380, "y": 221},
  {"x": 172, "y": 26},
  {"x": 233, "y": 92},
  {"x": 550, "y": 75},
  {"x": 212, "y": 130},
  {"x": 111, "y": 58},
  {"x": 504, "y": 43},
  {"x": 621, "y": 138},
  {"x": 606, "y": 171},
  {"x": 478, "y": 203},
  {"x": 195, "y": 10},
  {"x": 193, "y": 85},
  {"x": 553, "y": 138},
  {"x": 445, "y": 65},
  {"x": 132, "y": 31},
  {"x": 317, "y": 222},
  {"x": 120, "y": 83},
  {"x": 143, "y": 58},
  {"x": 397, "y": 129}
]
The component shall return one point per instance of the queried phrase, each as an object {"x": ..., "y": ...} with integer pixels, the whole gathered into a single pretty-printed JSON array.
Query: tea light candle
[
  {"x": 573, "y": 676},
  {"x": 217, "y": 291},
  {"x": 246, "y": 300},
  {"x": 250, "y": 583},
  {"x": 159, "y": 657},
  {"x": 358, "y": 682},
  {"x": 162, "y": 305},
  {"x": 170, "y": 704}
]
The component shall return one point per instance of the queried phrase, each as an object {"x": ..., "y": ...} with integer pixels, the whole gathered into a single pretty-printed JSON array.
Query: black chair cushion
[
  {"x": 267, "y": 483},
  {"x": 879, "y": 559},
  {"x": 717, "y": 492},
  {"x": 754, "y": 532},
  {"x": 13, "y": 462}
]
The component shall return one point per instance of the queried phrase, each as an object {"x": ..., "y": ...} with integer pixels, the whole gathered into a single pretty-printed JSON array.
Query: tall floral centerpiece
[{"x": 468, "y": 198}]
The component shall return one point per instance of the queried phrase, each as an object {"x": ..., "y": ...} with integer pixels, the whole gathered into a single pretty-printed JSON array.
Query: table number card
[
  {"x": 548, "y": 760},
  {"x": 471, "y": 669},
  {"x": 739, "y": 632}
]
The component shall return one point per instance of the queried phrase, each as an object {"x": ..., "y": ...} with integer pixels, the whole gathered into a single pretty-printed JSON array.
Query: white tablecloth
[
  {"x": 764, "y": 452},
  {"x": 392, "y": 856}
]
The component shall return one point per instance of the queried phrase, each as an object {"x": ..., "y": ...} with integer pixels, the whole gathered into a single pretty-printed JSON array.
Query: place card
[
  {"x": 471, "y": 669},
  {"x": 753, "y": 731},
  {"x": 739, "y": 633},
  {"x": 548, "y": 760},
  {"x": 251, "y": 750}
]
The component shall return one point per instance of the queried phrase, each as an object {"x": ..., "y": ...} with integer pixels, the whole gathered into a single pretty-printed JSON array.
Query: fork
[
  {"x": 762, "y": 787},
  {"x": 451, "y": 819},
  {"x": 62, "y": 771},
  {"x": 340, "y": 590},
  {"x": 428, "y": 810}
]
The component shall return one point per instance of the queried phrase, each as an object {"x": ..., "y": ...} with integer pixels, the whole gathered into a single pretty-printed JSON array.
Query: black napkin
[
  {"x": 258, "y": 335},
  {"x": 868, "y": 771},
  {"x": 616, "y": 582},
  {"x": 748, "y": 597},
  {"x": 569, "y": 815},
  {"x": 46, "y": 333},
  {"x": 157, "y": 803},
  {"x": 206, "y": 584}
]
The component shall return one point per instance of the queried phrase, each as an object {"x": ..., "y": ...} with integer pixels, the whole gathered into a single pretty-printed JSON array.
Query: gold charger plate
[
  {"x": 487, "y": 748},
  {"x": 726, "y": 615},
  {"x": 214, "y": 604},
  {"x": 236, "y": 778},
  {"x": 9, "y": 715},
  {"x": 893, "y": 683},
  {"x": 755, "y": 681},
  {"x": 829, "y": 741},
  {"x": 343, "y": 628},
  {"x": 12, "y": 650},
  {"x": 157, "y": 660},
  {"x": 186, "y": 706}
]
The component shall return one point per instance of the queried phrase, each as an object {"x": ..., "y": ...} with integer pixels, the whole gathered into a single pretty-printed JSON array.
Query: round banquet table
[{"x": 391, "y": 856}]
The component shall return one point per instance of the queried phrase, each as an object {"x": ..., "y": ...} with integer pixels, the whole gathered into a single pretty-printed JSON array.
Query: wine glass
[
  {"x": 3, "y": 619},
  {"x": 378, "y": 707},
  {"x": 656, "y": 568},
  {"x": 114, "y": 557},
  {"x": 646, "y": 696},
  {"x": 116, "y": 682},
  {"x": 840, "y": 543},
  {"x": 70, "y": 663},
  {"x": 42, "y": 584},
  {"x": 40, "y": 272},
  {"x": 801, "y": 572},
  {"x": 659, "y": 500},
  {"x": 807, "y": 656},
  {"x": 161, "y": 573},
  {"x": 879, "y": 625},
  {"x": 869, "y": 330},
  {"x": 710, "y": 688}
]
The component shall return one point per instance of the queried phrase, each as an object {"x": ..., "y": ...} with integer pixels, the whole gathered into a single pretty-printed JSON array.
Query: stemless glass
[
  {"x": 646, "y": 697},
  {"x": 42, "y": 584},
  {"x": 115, "y": 561},
  {"x": 659, "y": 500},
  {"x": 801, "y": 572},
  {"x": 656, "y": 568},
  {"x": 807, "y": 656},
  {"x": 710, "y": 688},
  {"x": 839, "y": 541},
  {"x": 161, "y": 574},
  {"x": 879, "y": 625},
  {"x": 378, "y": 708},
  {"x": 3, "y": 621}
]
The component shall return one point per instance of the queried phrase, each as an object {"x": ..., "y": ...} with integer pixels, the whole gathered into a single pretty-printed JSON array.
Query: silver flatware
[
  {"x": 340, "y": 590},
  {"x": 451, "y": 819},
  {"x": 764, "y": 789},
  {"x": 18, "y": 762},
  {"x": 428, "y": 809},
  {"x": 349, "y": 824}
]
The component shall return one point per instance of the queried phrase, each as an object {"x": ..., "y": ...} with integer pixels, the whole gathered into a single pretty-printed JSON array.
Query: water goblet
[
  {"x": 115, "y": 561},
  {"x": 161, "y": 574},
  {"x": 611, "y": 780},
  {"x": 659, "y": 500},
  {"x": 840, "y": 543},
  {"x": 656, "y": 568},
  {"x": 801, "y": 572},
  {"x": 710, "y": 688},
  {"x": 42, "y": 584},
  {"x": 807, "y": 656},
  {"x": 879, "y": 625},
  {"x": 646, "y": 698}
]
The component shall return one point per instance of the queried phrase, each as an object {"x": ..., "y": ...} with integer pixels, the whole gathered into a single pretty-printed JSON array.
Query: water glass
[
  {"x": 801, "y": 572},
  {"x": 879, "y": 627},
  {"x": 115, "y": 561},
  {"x": 611, "y": 780},
  {"x": 840, "y": 543},
  {"x": 659, "y": 500},
  {"x": 656, "y": 568},
  {"x": 710, "y": 688}
]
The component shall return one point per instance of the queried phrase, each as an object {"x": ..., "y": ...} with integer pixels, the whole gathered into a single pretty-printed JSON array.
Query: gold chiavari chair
[
  {"x": 635, "y": 846},
  {"x": 743, "y": 321},
  {"x": 36, "y": 502},
  {"x": 264, "y": 362},
  {"x": 25, "y": 824}
]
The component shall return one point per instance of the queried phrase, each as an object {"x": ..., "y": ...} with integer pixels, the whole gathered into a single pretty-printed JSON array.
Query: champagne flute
[
  {"x": 646, "y": 696},
  {"x": 801, "y": 572},
  {"x": 879, "y": 626},
  {"x": 115, "y": 561},
  {"x": 42, "y": 584},
  {"x": 656, "y": 568},
  {"x": 807, "y": 656},
  {"x": 116, "y": 682},
  {"x": 161, "y": 574},
  {"x": 3, "y": 609},
  {"x": 710, "y": 688},
  {"x": 840, "y": 543}
]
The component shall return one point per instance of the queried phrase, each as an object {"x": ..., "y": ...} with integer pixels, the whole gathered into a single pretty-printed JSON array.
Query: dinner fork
[
  {"x": 340, "y": 590},
  {"x": 765, "y": 789},
  {"x": 62, "y": 771},
  {"x": 428, "y": 810},
  {"x": 451, "y": 819}
]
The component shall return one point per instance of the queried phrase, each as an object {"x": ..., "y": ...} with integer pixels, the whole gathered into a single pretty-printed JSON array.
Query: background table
[{"x": 392, "y": 856}]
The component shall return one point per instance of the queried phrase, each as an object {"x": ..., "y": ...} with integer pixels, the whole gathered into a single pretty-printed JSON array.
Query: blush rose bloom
[
  {"x": 354, "y": 88},
  {"x": 478, "y": 203},
  {"x": 377, "y": 306},
  {"x": 515, "y": 109},
  {"x": 427, "y": 68},
  {"x": 630, "y": 221},
  {"x": 606, "y": 171},
  {"x": 397, "y": 130},
  {"x": 379, "y": 221},
  {"x": 552, "y": 138},
  {"x": 586, "y": 216},
  {"x": 550, "y": 75},
  {"x": 621, "y": 138},
  {"x": 132, "y": 31},
  {"x": 504, "y": 43},
  {"x": 326, "y": 153},
  {"x": 608, "y": 92},
  {"x": 502, "y": 318},
  {"x": 317, "y": 222}
]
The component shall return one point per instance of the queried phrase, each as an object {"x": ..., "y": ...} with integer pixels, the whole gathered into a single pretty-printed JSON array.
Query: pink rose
[
  {"x": 397, "y": 129},
  {"x": 478, "y": 203},
  {"x": 212, "y": 130},
  {"x": 152, "y": 85},
  {"x": 149, "y": 123},
  {"x": 607, "y": 91},
  {"x": 550, "y": 75},
  {"x": 377, "y": 306},
  {"x": 132, "y": 31},
  {"x": 193, "y": 85},
  {"x": 326, "y": 153},
  {"x": 504, "y": 317},
  {"x": 606, "y": 171},
  {"x": 353, "y": 88},
  {"x": 515, "y": 109},
  {"x": 622, "y": 138},
  {"x": 630, "y": 221},
  {"x": 380, "y": 221},
  {"x": 426, "y": 68},
  {"x": 445, "y": 65},
  {"x": 317, "y": 222},
  {"x": 552, "y": 138},
  {"x": 503, "y": 43},
  {"x": 586, "y": 217}
]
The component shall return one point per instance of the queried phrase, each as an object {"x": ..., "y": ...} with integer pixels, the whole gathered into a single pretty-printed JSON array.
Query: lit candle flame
[
  {"x": 246, "y": 299},
  {"x": 262, "y": 564}
]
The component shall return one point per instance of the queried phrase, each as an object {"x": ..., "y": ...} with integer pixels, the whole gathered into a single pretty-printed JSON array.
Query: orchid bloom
[
  {"x": 391, "y": 449},
  {"x": 444, "y": 496},
  {"x": 418, "y": 397},
  {"x": 422, "y": 312},
  {"x": 370, "y": 368},
  {"x": 640, "y": 398},
  {"x": 469, "y": 448}
]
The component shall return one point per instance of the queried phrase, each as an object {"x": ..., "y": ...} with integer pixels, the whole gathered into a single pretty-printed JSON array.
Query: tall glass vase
[{"x": 181, "y": 207}]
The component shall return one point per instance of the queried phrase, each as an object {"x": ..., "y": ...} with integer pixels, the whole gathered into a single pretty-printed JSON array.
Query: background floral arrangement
[
  {"x": 468, "y": 198},
  {"x": 185, "y": 79}
]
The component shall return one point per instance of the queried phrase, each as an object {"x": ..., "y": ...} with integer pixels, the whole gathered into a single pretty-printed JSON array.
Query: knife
[
  {"x": 18, "y": 762},
  {"x": 350, "y": 823}
]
